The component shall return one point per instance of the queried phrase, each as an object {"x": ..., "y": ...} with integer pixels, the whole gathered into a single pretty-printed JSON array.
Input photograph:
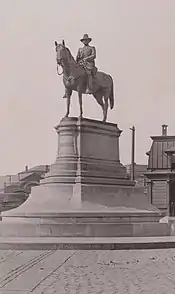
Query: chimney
[
  {"x": 27, "y": 168},
  {"x": 164, "y": 130}
]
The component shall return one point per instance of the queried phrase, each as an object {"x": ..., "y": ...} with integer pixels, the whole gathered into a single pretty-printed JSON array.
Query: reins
[{"x": 58, "y": 70}]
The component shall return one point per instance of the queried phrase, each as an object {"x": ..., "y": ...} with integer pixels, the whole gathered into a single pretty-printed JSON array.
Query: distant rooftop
[
  {"x": 9, "y": 179},
  {"x": 161, "y": 146}
]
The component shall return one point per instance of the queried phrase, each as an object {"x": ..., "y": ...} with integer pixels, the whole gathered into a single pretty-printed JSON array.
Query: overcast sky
[{"x": 135, "y": 41}]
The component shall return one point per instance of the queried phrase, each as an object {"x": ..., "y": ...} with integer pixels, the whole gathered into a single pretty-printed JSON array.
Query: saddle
[{"x": 89, "y": 67}]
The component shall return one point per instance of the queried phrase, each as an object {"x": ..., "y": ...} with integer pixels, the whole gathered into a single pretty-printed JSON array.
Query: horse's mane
[
  {"x": 70, "y": 54},
  {"x": 72, "y": 59}
]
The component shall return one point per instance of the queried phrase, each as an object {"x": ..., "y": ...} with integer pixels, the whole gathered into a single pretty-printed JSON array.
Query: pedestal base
[
  {"x": 86, "y": 224},
  {"x": 86, "y": 192}
]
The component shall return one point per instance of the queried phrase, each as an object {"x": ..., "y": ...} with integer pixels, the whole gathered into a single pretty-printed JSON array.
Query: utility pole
[{"x": 133, "y": 154}]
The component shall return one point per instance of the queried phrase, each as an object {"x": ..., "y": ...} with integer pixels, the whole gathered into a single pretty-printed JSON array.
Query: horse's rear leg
[
  {"x": 68, "y": 95},
  {"x": 99, "y": 98}
]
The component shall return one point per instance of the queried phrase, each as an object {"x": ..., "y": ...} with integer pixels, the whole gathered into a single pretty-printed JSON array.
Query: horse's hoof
[{"x": 89, "y": 92}]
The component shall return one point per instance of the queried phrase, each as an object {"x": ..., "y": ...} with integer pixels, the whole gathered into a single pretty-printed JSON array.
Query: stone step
[{"x": 81, "y": 230}]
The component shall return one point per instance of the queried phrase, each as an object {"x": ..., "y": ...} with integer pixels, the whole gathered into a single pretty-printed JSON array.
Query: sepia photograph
[{"x": 87, "y": 148}]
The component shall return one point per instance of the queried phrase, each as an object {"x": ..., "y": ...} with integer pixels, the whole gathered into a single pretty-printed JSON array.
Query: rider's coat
[{"x": 87, "y": 54}]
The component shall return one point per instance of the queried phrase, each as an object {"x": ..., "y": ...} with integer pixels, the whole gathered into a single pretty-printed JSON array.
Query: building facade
[
  {"x": 15, "y": 189},
  {"x": 160, "y": 173}
]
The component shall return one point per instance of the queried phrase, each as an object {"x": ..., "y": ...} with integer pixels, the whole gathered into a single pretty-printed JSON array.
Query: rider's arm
[{"x": 92, "y": 56}]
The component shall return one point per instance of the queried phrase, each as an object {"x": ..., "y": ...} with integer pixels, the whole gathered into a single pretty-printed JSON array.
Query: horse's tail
[{"x": 111, "y": 95}]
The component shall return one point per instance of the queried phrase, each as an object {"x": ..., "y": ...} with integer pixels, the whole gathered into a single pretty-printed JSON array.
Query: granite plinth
[{"x": 86, "y": 192}]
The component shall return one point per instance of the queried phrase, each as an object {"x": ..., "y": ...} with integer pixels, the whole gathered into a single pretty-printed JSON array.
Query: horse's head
[{"x": 63, "y": 53}]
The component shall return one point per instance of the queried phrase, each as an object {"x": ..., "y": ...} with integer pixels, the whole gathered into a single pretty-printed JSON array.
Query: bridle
[{"x": 61, "y": 73}]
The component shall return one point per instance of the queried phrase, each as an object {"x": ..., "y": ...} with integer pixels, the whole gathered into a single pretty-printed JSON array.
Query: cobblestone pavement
[{"x": 81, "y": 272}]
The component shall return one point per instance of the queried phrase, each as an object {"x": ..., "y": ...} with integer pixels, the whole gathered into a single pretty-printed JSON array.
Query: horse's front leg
[
  {"x": 68, "y": 96},
  {"x": 105, "y": 108},
  {"x": 80, "y": 103}
]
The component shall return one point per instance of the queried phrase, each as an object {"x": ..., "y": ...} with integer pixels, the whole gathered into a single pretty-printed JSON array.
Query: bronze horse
[{"x": 75, "y": 79}]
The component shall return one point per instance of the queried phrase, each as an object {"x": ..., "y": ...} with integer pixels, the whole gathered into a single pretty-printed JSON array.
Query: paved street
[{"x": 81, "y": 272}]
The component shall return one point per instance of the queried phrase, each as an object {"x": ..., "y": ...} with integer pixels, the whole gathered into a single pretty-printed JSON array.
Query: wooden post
[{"x": 133, "y": 154}]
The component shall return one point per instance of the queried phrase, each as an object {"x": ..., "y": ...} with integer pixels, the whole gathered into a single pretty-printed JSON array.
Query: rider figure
[{"x": 86, "y": 57}]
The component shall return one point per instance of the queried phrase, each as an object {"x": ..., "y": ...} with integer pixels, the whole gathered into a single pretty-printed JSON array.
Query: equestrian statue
[{"x": 82, "y": 75}]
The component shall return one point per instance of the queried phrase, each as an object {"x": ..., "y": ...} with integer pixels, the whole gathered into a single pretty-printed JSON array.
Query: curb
[{"x": 42, "y": 243}]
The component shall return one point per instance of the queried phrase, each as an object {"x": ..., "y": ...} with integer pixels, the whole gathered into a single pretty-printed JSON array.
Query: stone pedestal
[{"x": 86, "y": 192}]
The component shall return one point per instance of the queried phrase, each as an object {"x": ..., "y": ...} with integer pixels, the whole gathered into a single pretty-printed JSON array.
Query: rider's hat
[{"x": 86, "y": 37}]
